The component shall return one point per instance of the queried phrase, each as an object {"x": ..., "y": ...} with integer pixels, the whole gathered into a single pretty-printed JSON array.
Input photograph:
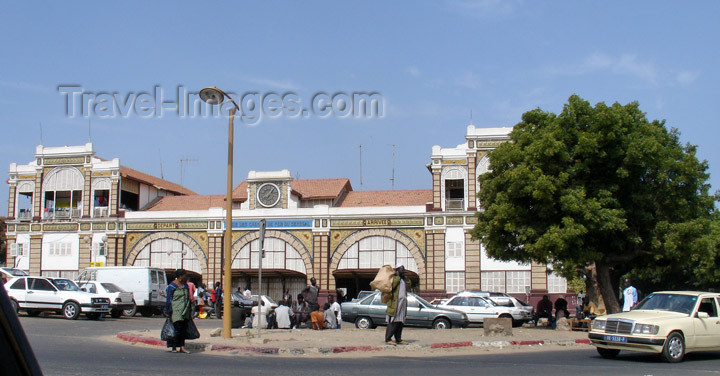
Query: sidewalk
[{"x": 364, "y": 342}]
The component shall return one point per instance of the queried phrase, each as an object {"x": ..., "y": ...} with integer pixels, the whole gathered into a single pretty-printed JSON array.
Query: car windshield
[
  {"x": 111, "y": 287},
  {"x": 15, "y": 272},
  {"x": 668, "y": 302},
  {"x": 65, "y": 285},
  {"x": 422, "y": 301}
]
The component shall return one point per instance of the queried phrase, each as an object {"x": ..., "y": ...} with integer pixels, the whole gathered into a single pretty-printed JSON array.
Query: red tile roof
[
  {"x": 127, "y": 172},
  {"x": 388, "y": 198},
  {"x": 195, "y": 202},
  {"x": 319, "y": 189}
]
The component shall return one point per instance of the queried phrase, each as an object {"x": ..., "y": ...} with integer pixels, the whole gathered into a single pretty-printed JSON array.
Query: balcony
[
  {"x": 455, "y": 204},
  {"x": 24, "y": 215},
  {"x": 101, "y": 212},
  {"x": 63, "y": 213}
]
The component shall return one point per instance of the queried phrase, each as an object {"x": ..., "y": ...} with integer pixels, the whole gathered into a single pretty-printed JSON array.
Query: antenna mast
[
  {"x": 162, "y": 175},
  {"x": 392, "y": 179},
  {"x": 185, "y": 160}
]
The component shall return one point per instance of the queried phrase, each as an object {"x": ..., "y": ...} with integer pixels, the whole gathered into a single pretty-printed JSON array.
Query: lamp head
[{"x": 212, "y": 95}]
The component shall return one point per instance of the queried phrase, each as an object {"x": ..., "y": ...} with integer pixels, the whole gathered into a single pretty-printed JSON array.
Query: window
[
  {"x": 375, "y": 251},
  {"x": 18, "y": 285},
  {"x": 556, "y": 284},
  {"x": 19, "y": 249},
  {"x": 493, "y": 281},
  {"x": 154, "y": 276},
  {"x": 59, "y": 249},
  {"x": 517, "y": 281},
  {"x": 41, "y": 284},
  {"x": 454, "y": 282},
  {"x": 454, "y": 249},
  {"x": 90, "y": 287},
  {"x": 456, "y": 301},
  {"x": 477, "y": 302},
  {"x": 99, "y": 249},
  {"x": 708, "y": 305}
]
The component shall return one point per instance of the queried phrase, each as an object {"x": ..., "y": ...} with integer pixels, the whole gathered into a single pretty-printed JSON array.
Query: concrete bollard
[{"x": 497, "y": 326}]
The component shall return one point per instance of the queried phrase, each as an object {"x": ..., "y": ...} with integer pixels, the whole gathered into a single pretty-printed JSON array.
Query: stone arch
[
  {"x": 289, "y": 238},
  {"x": 180, "y": 236},
  {"x": 362, "y": 234}
]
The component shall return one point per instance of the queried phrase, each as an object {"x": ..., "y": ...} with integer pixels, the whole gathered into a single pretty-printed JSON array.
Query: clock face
[{"x": 268, "y": 195}]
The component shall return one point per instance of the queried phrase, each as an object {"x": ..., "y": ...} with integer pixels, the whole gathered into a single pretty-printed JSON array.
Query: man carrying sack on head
[{"x": 396, "y": 306}]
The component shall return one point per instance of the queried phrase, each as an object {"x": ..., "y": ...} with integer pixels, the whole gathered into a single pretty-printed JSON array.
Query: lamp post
[{"x": 213, "y": 95}]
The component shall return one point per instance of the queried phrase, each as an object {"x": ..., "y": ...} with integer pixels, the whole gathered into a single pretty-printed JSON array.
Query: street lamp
[{"x": 213, "y": 95}]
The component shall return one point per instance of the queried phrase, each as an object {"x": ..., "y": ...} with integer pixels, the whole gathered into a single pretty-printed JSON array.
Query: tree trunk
[
  {"x": 592, "y": 289},
  {"x": 606, "y": 287}
]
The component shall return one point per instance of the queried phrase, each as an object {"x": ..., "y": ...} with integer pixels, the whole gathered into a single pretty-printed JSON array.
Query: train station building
[{"x": 69, "y": 209}]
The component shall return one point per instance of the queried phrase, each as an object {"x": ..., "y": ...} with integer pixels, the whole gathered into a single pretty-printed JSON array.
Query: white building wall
[
  {"x": 23, "y": 262},
  {"x": 454, "y": 262},
  {"x": 62, "y": 262},
  {"x": 488, "y": 264}
]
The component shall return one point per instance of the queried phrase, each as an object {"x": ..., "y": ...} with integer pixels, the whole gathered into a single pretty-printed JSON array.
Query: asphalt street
[{"x": 85, "y": 347}]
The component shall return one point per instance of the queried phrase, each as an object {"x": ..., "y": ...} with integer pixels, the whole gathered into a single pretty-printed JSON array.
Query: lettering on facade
[
  {"x": 280, "y": 223},
  {"x": 454, "y": 162},
  {"x": 376, "y": 222},
  {"x": 64, "y": 161},
  {"x": 165, "y": 226},
  {"x": 22, "y": 228}
]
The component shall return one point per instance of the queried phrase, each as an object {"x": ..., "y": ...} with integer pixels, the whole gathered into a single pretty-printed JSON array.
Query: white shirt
[
  {"x": 336, "y": 308},
  {"x": 282, "y": 315},
  {"x": 256, "y": 319},
  {"x": 630, "y": 298}
]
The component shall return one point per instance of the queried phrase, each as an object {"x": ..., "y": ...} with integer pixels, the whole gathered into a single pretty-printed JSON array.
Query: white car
[
  {"x": 670, "y": 323},
  {"x": 9, "y": 273},
  {"x": 37, "y": 294},
  {"x": 120, "y": 299},
  {"x": 476, "y": 307}
]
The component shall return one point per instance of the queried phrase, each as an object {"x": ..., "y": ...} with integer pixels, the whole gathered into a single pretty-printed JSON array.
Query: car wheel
[
  {"x": 14, "y": 305},
  {"x": 441, "y": 323},
  {"x": 71, "y": 310},
  {"x": 608, "y": 353},
  {"x": 506, "y": 316},
  {"x": 116, "y": 313},
  {"x": 364, "y": 322},
  {"x": 130, "y": 312},
  {"x": 674, "y": 349},
  {"x": 93, "y": 316}
]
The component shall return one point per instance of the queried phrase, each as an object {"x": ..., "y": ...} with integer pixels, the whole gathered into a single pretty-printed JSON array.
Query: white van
[{"x": 147, "y": 285}]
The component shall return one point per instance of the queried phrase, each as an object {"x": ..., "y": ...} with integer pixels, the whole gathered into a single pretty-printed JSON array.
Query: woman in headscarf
[{"x": 178, "y": 308}]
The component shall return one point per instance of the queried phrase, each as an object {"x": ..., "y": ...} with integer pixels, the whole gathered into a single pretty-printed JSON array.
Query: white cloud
[
  {"x": 413, "y": 71},
  {"x": 687, "y": 77},
  {"x": 626, "y": 64},
  {"x": 485, "y": 8}
]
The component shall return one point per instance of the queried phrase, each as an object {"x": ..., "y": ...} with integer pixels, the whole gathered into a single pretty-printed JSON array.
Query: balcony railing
[
  {"x": 63, "y": 213},
  {"x": 101, "y": 212},
  {"x": 454, "y": 204},
  {"x": 24, "y": 215}
]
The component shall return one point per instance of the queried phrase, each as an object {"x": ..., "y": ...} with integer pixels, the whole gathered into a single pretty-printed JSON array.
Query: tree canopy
[{"x": 599, "y": 186}]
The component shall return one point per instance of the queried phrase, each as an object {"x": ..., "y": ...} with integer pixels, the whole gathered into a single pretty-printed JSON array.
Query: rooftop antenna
[
  {"x": 185, "y": 160},
  {"x": 471, "y": 123},
  {"x": 162, "y": 176},
  {"x": 361, "y": 183},
  {"x": 41, "y": 140},
  {"x": 392, "y": 179}
]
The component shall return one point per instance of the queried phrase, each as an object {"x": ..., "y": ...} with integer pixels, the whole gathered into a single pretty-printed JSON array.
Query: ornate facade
[{"x": 69, "y": 209}]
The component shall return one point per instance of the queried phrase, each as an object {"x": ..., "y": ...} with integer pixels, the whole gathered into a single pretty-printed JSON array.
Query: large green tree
[{"x": 597, "y": 186}]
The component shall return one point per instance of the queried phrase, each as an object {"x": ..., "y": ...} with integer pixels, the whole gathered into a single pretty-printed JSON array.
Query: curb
[{"x": 345, "y": 349}]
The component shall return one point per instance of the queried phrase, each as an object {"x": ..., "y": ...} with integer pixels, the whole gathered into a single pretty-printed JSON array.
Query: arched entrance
[
  {"x": 366, "y": 251},
  {"x": 285, "y": 265},
  {"x": 170, "y": 251}
]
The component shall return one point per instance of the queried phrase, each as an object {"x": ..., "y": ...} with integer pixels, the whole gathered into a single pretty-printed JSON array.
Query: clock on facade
[{"x": 268, "y": 195}]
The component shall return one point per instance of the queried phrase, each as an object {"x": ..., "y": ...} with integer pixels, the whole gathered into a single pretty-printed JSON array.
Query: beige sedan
[{"x": 670, "y": 323}]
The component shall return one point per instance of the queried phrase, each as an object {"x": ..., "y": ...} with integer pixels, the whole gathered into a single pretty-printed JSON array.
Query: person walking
[
  {"x": 335, "y": 306},
  {"x": 579, "y": 305},
  {"x": 218, "y": 294},
  {"x": 397, "y": 307},
  {"x": 178, "y": 308},
  {"x": 311, "y": 295},
  {"x": 630, "y": 296}
]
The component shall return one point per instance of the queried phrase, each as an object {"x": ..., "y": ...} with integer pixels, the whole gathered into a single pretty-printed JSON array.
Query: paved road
[{"x": 66, "y": 347}]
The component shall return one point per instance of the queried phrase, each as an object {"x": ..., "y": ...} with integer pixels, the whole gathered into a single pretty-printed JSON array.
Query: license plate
[
  {"x": 104, "y": 306},
  {"x": 616, "y": 339}
]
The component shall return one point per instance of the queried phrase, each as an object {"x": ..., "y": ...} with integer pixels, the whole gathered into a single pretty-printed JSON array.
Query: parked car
[
  {"x": 362, "y": 295},
  {"x": 37, "y": 294},
  {"x": 477, "y": 308},
  {"x": 370, "y": 312},
  {"x": 119, "y": 299},
  {"x": 147, "y": 285},
  {"x": 670, "y": 323},
  {"x": 241, "y": 309},
  {"x": 9, "y": 273},
  {"x": 520, "y": 311}
]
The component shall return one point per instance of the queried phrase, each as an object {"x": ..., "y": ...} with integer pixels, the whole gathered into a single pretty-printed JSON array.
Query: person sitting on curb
[
  {"x": 544, "y": 310},
  {"x": 301, "y": 310},
  {"x": 330, "y": 317},
  {"x": 318, "y": 319}
]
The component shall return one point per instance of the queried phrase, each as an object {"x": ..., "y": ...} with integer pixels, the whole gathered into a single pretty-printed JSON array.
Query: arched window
[
  {"x": 168, "y": 254},
  {"x": 62, "y": 195},
  {"x": 279, "y": 254},
  {"x": 375, "y": 251}
]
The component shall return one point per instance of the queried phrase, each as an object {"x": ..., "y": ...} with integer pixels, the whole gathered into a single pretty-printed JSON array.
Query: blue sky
[{"x": 432, "y": 62}]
